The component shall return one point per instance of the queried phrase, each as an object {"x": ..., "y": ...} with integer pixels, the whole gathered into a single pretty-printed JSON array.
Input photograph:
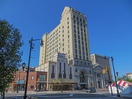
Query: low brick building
[{"x": 37, "y": 80}]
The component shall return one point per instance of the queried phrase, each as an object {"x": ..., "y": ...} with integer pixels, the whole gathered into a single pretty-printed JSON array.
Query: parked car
[{"x": 91, "y": 90}]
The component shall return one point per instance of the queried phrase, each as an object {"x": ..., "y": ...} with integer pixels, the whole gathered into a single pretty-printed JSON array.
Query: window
[
  {"x": 70, "y": 76},
  {"x": 75, "y": 40},
  {"x": 74, "y": 16},
  {"x": 83, "y": 21},
  {"x": 32, "y": 77},
  {"x": 60, "y": 67},
  {"x": 79, "y": 41},
  {"x": 75, "y": 45},
  {"x": 78, "y": 28},
  {"x": 69, "y": 56},
  {"x": 74, "y": 26},
  {"x": 76, "y": 55},
  {"x": 68, "y": 46},
  {"x": 32, "y": 87},
  {"x": 53, "y": 74},
  {"x": 77, "y": 23},
  {"x": 42, "y": 77},
  {"x": 77, "y": 18},
  {"x": 68, "y": 41},
  {"x": 68, "y": 31},
  {"x": 74, "y": 21},
  {"x": 98, "y": 75},
  {"x": 53, "y": 69},
  {"x": 79, "y": 51},
  {"x": 76, "y": 51},
  {"x": 90, "y": 71},
  {"x": 75, "y": 70},
  {"x": 83, "y": 53},
  {"x": 74, "y": 31},
  {"x": 80, "y": 20},
  {"x": 64, "y": 68},
  {"x": 75, "y": 35},
  {"x": 68, "y": 51}
]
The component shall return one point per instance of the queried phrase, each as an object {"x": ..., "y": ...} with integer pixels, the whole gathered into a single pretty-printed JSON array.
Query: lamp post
[
  {"x": 31, "y": 47},
  {"x": 112, "y": 61},
  {"x": 110, "y": 82}
]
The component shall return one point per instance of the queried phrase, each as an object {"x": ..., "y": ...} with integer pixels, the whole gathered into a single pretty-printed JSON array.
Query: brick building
[{"x": 36, "y": 80}]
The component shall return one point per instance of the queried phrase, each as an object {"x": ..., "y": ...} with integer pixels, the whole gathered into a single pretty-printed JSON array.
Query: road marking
[{"x": 71, "y": 94}]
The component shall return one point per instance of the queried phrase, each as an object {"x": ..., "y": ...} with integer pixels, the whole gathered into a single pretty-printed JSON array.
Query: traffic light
[
  {"x": 103, "y": 71},
  {"x": 106, "y": 68}
]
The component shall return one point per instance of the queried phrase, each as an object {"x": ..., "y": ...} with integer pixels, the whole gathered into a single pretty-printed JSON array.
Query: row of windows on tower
[
  {"x": 62, "y": 74},
  {"x": 79, "y": 19},
  {"x": 80, "y": 57}
]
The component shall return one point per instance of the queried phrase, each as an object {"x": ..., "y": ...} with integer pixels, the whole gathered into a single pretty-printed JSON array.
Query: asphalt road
[{"x": 67, "y": 96}]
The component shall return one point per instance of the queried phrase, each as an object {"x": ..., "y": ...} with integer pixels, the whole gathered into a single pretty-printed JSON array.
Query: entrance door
[{"x": 99, "y": 86}]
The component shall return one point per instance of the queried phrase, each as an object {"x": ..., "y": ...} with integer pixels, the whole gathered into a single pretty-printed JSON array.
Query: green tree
[
  {"x": 10, "y": 54},
  {"x": 129, "y": 79},
  {"x": 124, "y": 78}
]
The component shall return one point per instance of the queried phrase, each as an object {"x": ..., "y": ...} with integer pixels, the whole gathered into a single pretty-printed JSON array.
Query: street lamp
[
  {"x": 24, "y": 64},
  {"x": 112, "y": 61},
  {"x": 110, "y": 81}
]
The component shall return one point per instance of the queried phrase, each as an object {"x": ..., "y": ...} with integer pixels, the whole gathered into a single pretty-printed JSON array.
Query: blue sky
[{"x": 109, "y": 25}]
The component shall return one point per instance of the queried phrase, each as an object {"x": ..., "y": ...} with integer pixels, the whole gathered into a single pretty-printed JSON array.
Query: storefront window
[{"x": 42, "y": 77}]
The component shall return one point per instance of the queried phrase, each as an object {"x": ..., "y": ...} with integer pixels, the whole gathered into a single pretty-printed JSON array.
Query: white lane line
[{"x": 71, "y": 94}]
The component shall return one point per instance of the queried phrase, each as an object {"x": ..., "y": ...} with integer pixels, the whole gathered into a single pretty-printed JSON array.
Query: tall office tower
[{"x": 69, "y": 37}]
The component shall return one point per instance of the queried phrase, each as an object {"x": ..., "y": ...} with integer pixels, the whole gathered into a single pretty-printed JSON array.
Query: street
[{"x": 63, "y": 95}]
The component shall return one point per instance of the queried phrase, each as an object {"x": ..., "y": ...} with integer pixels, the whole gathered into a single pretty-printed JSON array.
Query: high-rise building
[
  {"x": 65, "y": 54},
  {"x": 69, "y": 37}
]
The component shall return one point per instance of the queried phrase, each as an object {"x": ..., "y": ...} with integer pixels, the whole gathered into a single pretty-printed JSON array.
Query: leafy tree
[
  {"x": 129, "y": 79},
  {"x": 124, "y": 78},
  {"x": 10, "y": 54}
]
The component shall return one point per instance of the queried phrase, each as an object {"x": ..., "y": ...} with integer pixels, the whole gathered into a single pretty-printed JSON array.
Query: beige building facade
[
  {"x": 65, "y": 54},
  {"x": 69, "y": 37},
  {"x": 103, "y": 62}
]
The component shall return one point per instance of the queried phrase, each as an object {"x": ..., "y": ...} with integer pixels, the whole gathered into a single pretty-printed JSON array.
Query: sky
[{"x": 109, "y": 26}]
